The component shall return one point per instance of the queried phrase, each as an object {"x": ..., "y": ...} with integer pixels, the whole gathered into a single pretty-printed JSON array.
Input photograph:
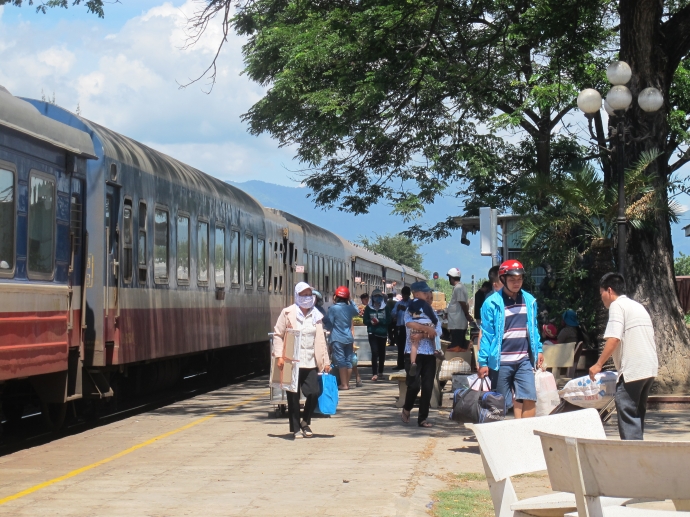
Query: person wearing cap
[
  {"x": 570, "y": 333},
  {"x": 313, "y": 358},
  {"x": 426, "y": 360},
  {"x": 376, "y": 317},
  {"x": 398, "y": 314},
  {"x": 510, "y": 344},
  {"x": 339, "y": 323},
  {"x": 549, "y": 333},
  {"x": 458, "y": 312}
]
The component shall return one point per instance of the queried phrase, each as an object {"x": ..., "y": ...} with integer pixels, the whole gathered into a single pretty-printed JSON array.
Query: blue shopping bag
[{"x": 328, "y": 400}]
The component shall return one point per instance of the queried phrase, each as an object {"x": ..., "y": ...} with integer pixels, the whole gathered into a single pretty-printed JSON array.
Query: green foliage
[
  {"x": 682, "y": 265},
  {"x": 398, "y": 247},
  {"x": 574, "y": 235},
  {"x": 92, "y": 6},
  {"x": 380, "y": 98}
]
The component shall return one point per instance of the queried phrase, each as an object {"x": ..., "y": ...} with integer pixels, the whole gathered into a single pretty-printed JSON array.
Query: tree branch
[{"x": 676, "y": 32}]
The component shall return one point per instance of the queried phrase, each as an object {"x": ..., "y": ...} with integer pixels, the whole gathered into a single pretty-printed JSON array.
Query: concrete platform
[
  {"x": 181, "y": 460},
  {"x": 220, "y": 454}
]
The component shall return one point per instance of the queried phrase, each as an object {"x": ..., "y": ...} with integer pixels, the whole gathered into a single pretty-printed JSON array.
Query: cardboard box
[
  {"x": 439, "y": 296},
  {"x": 438, "y": 306}
]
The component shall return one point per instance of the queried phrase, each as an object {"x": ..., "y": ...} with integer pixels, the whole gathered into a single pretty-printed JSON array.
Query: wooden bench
[
  {"x": 399, "y": 376},
  {"x": 592, "y": 468},
  {"x": 510, "y": 448}
]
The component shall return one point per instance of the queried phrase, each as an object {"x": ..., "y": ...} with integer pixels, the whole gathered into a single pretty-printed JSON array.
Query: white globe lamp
[
  {"x": 619, "y": 73},
  {"x": 619, "y": 97},
  {"x": 650, "y": 99},
  {"x": 589, "y": 101}
]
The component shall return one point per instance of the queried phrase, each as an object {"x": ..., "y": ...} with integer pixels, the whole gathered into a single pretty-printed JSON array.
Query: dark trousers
[
  {"x": 400, "y": 340},
  {"x": 378, "y": 353},
  {"x": 631, "y": 406},
  {"x": 308, "y": 384},
  {"x": 426, "y": 372},
  {"x": 458, "y": 338}
]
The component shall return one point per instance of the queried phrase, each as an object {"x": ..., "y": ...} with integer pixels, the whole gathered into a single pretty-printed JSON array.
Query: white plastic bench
[
  {"x": 593, "y": 468},
  {"x": 510, "y": 448}
]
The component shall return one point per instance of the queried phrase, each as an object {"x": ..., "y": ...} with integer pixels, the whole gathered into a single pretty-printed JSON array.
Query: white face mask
[{"x": 305, "y": 302}]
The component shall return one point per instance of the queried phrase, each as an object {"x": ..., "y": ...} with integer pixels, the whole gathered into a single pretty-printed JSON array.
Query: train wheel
[
  {"x": 13, "y": 411},
  {"x": 54, "y": 414}
]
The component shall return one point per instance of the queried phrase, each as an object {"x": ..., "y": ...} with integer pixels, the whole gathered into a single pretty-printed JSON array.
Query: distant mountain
[{"x": 438, "y": 256}]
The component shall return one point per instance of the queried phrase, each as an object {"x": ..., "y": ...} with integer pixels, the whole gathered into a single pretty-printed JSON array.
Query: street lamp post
[{"x": 618, "y": 100}]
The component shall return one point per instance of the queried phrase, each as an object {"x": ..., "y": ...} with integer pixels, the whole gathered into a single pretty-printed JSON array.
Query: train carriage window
[
  {"x": 248, "y": 260},
  {"x": 41, "y": 252},
  {"x": 219, "y": 256},
  {"x": 310, "y": 267},
  {"x": 261, "y": 263},
  {"x": 321, "y": 273},
  {"x": 141, "y": 248},
  {"x": 127, "y": 241},
  {"x": 331, "y": 273},
  {"x": 7, "y": 222},
  {"x": 182, "y": 249},
  {"x": 235, "y": 258},
  {"x": 160, "y": 245},
  {"x": 202, "y": 252}
]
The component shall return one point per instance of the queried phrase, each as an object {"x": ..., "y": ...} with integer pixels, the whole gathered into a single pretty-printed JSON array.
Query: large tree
[{"x": 405, "y": 101}]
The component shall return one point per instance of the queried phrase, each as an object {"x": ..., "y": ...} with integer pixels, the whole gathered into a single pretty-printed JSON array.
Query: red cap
[{"x": 342, "y": 292}]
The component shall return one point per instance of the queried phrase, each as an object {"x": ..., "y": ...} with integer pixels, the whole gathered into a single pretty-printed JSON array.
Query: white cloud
[
  {"x": 59, "y": 59},
  {"x": 127, "y": 78}
]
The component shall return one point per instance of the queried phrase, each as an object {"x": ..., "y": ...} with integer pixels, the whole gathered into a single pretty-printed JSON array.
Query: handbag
[
  {"x": 477, "y": 406},
  {"x": 451, "y": 366},
  {"x": 328, "y": 400}
]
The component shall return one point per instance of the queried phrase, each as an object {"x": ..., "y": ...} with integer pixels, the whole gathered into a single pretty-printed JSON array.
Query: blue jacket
[
  {"x": 493, "y": 325},
  {"x": 339, "y": 322}
]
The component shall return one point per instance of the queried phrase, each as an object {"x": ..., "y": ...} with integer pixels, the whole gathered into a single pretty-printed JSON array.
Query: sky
[{"x": 124, "y": 72}]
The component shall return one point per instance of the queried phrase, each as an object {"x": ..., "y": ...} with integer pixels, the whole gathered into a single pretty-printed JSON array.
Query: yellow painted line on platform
[{"x": 81, "y": 470}]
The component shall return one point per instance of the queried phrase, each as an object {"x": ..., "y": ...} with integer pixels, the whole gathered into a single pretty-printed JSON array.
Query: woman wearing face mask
[
  {"x": 303, "y": 316},
  {"x": 376, "y": 317}
]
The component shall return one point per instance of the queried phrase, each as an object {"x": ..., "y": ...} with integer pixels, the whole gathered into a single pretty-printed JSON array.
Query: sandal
[
  {"x": 424, "y": 423},
  {"x": 359, "y": 384},
  {"x": 306, "y": 431},
  {"x": 405, "y": 416},
  {"x": 374, "y": 378}
]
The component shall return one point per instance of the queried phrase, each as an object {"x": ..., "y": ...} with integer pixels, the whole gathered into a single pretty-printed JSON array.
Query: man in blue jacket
[{"x": 510, "y": 348}]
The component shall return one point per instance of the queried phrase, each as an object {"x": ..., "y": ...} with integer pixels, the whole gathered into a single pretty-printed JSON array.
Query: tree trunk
[{"x": 650, "y": 276}]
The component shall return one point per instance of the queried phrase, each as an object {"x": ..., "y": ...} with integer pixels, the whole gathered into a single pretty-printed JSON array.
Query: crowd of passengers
[{"x": 510, "y": 343}]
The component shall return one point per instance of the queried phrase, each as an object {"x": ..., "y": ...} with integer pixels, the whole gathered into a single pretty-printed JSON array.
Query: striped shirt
[
  {"x": 636, "y": 357},
  {"x": 515, "y": 343}
]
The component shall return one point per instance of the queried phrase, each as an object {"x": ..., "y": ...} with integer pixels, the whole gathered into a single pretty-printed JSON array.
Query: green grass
[
  {"x": 463, "y": 502},
  {"x": 470, "y": 476}
]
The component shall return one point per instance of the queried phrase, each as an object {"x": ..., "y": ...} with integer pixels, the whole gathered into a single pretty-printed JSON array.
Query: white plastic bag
[
  {"x": 585, "y": 393},
  {"x": 547, "y": 392},
  {"x": 485, "y": 385}
]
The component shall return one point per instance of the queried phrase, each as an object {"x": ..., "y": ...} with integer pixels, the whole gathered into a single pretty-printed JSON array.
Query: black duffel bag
[{"x": 477, "y": 407}]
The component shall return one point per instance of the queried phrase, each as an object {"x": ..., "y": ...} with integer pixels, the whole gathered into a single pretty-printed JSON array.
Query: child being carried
[{"x": 422, "y": 313}]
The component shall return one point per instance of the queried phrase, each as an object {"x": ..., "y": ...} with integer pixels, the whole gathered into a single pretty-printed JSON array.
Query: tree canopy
[{"x": 398, "y": 247}]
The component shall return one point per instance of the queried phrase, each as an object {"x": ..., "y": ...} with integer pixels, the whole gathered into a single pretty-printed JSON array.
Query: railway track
[{"x": 31, "y": 430}]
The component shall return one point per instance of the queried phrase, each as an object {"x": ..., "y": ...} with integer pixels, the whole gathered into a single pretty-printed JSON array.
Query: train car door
[
  {"x": 112, "y": 268},
  {"x": 288, "y": 268}
]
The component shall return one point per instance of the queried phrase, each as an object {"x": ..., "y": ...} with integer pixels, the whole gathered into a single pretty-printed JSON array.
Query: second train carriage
[{"x": 173, "y": 262}]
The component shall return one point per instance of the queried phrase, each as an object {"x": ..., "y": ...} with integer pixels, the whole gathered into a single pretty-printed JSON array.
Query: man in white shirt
[
  {"x": 458, "y": 313},
  {"x": 630, "y": 340}
]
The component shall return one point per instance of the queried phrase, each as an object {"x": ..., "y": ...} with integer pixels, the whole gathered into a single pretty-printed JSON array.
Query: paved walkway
[{"x": 220, "y": 454}]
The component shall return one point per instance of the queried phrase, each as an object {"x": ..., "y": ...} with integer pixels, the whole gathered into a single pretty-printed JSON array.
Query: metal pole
[{"x": 621, "y": 197}]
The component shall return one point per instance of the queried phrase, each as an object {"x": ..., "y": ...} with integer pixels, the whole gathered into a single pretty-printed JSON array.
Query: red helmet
[
  {"x": 511, "y": 267},
  {"x": 343, "y": 292}
]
